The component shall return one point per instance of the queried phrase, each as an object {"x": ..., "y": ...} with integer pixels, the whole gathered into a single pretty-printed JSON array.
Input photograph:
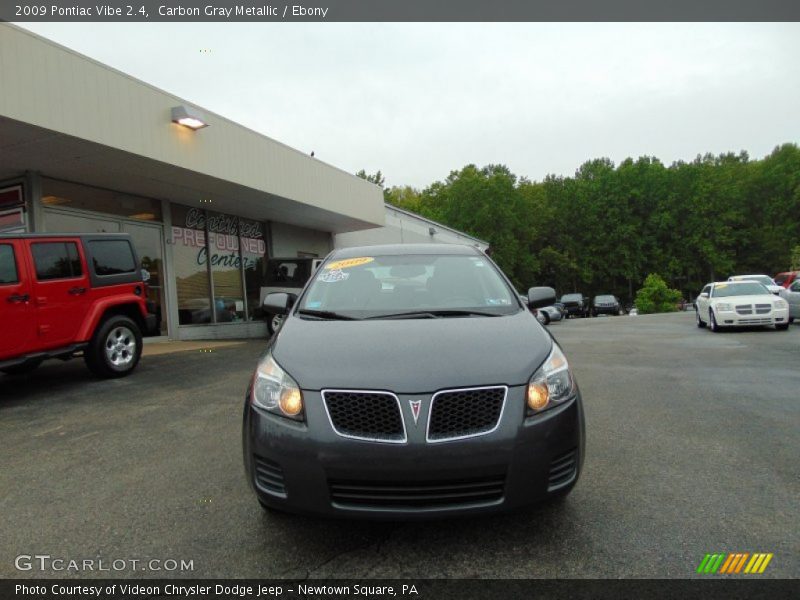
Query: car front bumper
[
  {"x": 734, "y": 319},
  {"x": 606, "y": 310},
  {"x": 301, "y": 467}
]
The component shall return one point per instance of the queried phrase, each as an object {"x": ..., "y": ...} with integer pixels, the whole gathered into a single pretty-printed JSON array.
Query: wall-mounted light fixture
[{"x": 188, "y": 117}]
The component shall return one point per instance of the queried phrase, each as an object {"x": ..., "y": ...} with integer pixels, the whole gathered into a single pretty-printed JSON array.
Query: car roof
[
  {"x": 401, "y": 249},
  {"x": 738, "y": 277}
]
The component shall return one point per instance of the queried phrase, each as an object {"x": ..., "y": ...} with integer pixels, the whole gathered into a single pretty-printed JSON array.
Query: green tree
[
  {"x": 656, "y": 297},
  {"x": 378, "y": 178}
]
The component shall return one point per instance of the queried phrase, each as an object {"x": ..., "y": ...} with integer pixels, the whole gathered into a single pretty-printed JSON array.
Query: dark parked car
[
  {"x": 605, "y": 305},
  {"x": 576, "y": 305},
  {"x": 410, "y": 381}
]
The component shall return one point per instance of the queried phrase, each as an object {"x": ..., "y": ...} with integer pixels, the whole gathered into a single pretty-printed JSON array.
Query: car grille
[
  {"x": 417, "y": 495},
  {"x": 747, "y": 309},
  {"x": 373, "y": 416},
  {"x": 464, "y": 413},
  {"x": 563, "y": 469},
  {"x": 269, "y": 476}
]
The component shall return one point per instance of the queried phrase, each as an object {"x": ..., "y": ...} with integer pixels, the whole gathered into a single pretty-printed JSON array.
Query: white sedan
[{"x": 740, "y": 304}]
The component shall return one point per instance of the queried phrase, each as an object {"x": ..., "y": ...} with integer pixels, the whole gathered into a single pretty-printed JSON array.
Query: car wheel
[
  {"x": 700, "y": 323},
  {"x": 115, "y": 348},
  {"x": 274, "y": 323},
  {"x": 783, "y": 327},
  {"x": 21, "y": 369},
  {"x": 712, "y": 321}
]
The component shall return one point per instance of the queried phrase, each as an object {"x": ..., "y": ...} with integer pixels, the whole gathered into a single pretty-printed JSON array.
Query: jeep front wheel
[{"x": 115, "y": 349}]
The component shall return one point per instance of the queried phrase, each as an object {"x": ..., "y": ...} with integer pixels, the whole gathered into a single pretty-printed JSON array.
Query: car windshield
[
  {"x": 394, "y": 285},
  {"x": 605, "y": 299},
  {"x": 571, "y": 297},
  {"x": 762, "y": 279},
  {"x": 740, "y": 288}
]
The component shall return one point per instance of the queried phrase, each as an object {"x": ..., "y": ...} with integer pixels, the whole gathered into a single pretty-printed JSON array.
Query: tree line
[{"x": 606, "y": 228}]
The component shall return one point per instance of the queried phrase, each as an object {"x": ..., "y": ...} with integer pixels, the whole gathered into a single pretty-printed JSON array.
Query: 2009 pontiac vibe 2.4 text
[{"x": 411, "y": 381}]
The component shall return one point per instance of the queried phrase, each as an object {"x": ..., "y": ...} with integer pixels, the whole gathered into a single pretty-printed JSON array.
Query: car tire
[
  {"x": 700, "y": 323},
  {"x": 546, "y": 318},
  {"x": 115, "y": 348},
  {"x": 21, "y": 369},
  {"x": 712, "y": 322},
  {"x": 274, "y": 323},
  {"x": 783, "y": 327}
]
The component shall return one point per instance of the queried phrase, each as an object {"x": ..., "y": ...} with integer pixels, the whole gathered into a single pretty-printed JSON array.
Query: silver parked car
[{"x": 792, "y": 296}]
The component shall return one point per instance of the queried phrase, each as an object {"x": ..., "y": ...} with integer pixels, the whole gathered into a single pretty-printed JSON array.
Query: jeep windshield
[{"x": 408, "y": 286}]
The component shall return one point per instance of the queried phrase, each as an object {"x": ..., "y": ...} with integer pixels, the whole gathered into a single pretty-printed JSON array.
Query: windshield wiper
[
  {"x": 326, "y": 314},
  {"x": 435, "y": 314}
]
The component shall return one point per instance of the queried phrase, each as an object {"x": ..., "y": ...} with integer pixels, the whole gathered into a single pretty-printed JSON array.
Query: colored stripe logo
[{"x": 734, "y": 563}]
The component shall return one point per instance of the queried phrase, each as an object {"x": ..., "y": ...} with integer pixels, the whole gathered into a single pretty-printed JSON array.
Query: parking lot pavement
[{"x": 692, "y": 447}]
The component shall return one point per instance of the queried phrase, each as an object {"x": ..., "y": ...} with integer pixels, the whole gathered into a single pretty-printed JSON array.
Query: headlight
[
  {"x": 723, "y": 306},
  {"x": 781, "y": 303},
  {"x": 551, "y": 384},
  {"x": 274, "y": 390}
]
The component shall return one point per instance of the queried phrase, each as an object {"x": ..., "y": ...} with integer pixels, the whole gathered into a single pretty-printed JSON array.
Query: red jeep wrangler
[{"x": 72, "y": 294}]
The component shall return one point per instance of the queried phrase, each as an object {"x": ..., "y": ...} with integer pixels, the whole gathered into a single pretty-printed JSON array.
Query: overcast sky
[{"x": 419, "y": 100}]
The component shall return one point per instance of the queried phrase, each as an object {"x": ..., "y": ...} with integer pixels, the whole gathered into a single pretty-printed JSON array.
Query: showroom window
[
  {"x": 254, "y": 252},
  {"x": 191, "y": 271},
  {"x": 64, "y": 194},
  {"x": 226, "y": 267},
  {"x": 220, "y": 253}
]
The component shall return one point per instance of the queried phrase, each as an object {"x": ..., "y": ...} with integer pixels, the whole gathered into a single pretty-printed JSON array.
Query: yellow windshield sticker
[{"x": 349, "y": 262}]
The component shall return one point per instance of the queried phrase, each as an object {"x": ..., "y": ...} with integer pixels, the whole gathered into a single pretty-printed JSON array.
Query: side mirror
[
  {"x": 279, "y": 303},
  {"x": 541, "y": 296},
  {"x": 704, "y": 295}
]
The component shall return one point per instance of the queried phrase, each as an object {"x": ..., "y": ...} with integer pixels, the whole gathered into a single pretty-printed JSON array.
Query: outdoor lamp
[{"x": 188, "y": 117}]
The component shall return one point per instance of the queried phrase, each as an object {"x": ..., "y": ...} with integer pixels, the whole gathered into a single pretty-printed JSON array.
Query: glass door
[{"x": 148, "y": 241}]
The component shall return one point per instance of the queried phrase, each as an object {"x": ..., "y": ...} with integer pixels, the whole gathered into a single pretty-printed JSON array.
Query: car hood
[{"x": 409, "y": 356}]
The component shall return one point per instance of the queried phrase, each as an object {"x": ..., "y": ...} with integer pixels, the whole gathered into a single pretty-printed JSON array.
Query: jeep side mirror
[
  {"x": 279, "y": 303},
  {"x": 541, "y": 296}
]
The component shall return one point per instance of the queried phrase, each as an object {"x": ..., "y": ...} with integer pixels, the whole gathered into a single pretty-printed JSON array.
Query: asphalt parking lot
[{"x": 693, "y": 445}]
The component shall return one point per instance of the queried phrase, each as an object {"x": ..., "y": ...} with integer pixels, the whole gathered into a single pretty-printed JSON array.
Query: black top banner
[{"x": 130, "y": 11}]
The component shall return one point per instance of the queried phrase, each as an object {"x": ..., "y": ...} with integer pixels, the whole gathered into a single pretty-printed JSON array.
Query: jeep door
[
  {"x": 16, "y": 313},
  {"x": 61, "y": 281}
]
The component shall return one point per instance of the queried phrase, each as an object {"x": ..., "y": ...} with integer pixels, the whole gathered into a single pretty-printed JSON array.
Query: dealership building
[{"x": 86, "y": 148}]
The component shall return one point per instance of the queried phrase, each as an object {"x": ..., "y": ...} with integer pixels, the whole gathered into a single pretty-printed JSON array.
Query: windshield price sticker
[
  {"x": 334, "y": 276},
  {"x": 349, "y": 262}
]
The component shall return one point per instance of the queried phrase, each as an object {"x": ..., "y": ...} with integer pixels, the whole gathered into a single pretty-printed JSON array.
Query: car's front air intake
[
  {"x": 373, "y": 416},
  {"x": 563, "y": 469},
  {"x": 269, "y": 476},
  {"x": 417, "y": 495},
  {"x": 462, "y": 413}
]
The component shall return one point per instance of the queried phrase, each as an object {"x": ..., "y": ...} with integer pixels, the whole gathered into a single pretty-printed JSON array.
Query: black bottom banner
[{"x": 422, "y": 589}]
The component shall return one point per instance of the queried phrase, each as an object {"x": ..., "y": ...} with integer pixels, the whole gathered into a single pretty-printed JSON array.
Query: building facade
[{"x": 205, "y": 207}]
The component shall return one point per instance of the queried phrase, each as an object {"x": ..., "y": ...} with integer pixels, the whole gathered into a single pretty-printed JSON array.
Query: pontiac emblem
[{"x": 415, "y": 404}]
